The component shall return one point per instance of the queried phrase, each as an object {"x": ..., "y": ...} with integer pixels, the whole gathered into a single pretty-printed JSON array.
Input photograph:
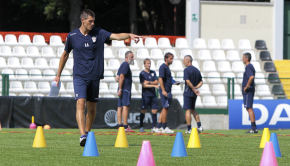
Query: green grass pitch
[{"x": 219, "y": 147}]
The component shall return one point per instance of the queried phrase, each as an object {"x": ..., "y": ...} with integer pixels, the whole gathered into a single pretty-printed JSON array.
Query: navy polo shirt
[
  {"x": 165, "y": 74},
  {"x": 88, "y": 53},
  {"x": 151, "y": 76},
  {"x": 249, "y": 71},
  {"x": 192, "y": 74},
  {"x": 125, "y": 69}
]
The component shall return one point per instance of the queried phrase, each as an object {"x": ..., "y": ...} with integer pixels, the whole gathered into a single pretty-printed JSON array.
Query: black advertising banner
[{"x": 16, "y": 112}]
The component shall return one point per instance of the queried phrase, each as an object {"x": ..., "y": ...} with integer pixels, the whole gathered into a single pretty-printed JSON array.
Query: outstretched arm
[{"x": 124, "y": 36}]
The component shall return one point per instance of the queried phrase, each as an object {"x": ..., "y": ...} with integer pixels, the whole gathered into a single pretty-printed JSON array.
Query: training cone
[
  {"x": 265, "y": 137},
  {"x": 268, "y": 156},
  {"x": 146, "y": 156},
  {"x": 121, "y": 140},
  {"x": 275, "y": 142},
  {"x": 39, "y": 140},
  {"x": 178, "y": 149},
  {"x": 91, "y": 149},
  {"x": 32, "y": 124},
  {"x": 194, "y": 141}
]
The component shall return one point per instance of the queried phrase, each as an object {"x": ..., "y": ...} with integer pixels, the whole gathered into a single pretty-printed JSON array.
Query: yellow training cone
[
  {"x": 194, "y": 141},
  {"x": 121, "y": 141},
  {"x": 265, "y": 137},
  {"x": 39, "y": 140}
]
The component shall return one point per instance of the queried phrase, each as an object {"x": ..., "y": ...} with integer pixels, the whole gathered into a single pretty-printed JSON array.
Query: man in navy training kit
[
  {"x": 193, "y": 81},
  {"x": 124, "y": 90},
  {"x": 165, "y": 81},
  {"x": 87, "y": 43},
  {"x": 248, "y": 90},
  {"x": 149, "y": 82}
]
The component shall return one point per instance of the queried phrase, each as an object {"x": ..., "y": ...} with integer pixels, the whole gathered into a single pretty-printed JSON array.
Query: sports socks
[
  {"x": 125, "y": 126},
  {"x": 198, "y": 124},
  {"x": 164, "y": 125},
  {"x": 188, "y": 127},
  {"x": 154, "y": 119},
  {"x": 253, "y": 125},
  {"x": 142, "y": 115}
]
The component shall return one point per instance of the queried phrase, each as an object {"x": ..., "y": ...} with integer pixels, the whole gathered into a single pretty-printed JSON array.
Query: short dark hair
[
  {"x": 167, "y": 55},
  {"x": 87, "y": 12},
  {"x": 145, "y": 60},
  {"x": 127, "y": 53},
  {"x": 248, "y": 56},
  {"x": 188, "y": 56}
]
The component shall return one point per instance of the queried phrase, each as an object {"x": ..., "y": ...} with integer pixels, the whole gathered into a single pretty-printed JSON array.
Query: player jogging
[
  {"x": 193, "y": 81},
  {"x": 87, "y": 43},
  {"x": 149, "y": 82},
  {"x": 248, "y": 90},
  {"x": 124, "y": 90}
]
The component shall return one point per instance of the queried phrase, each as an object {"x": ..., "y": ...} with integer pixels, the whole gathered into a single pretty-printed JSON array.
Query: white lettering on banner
[
  {"x": 277, "y": 114},
  {"x": 263, "y": 118},
  {"x": 134, "y": 117}
]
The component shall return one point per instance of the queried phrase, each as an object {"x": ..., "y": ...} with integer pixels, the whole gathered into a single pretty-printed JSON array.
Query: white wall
[{"x": 225, "y": 20}]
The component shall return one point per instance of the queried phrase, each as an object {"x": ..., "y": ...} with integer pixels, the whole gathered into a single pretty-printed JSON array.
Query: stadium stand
[{"x": 32, "y": 66}]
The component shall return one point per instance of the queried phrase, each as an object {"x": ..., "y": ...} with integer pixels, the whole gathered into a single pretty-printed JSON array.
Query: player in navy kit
[
  {"x": 87, "y": 43},
  {"x": 124, "y": 90},
  {"x": 149, "y": 82},
  {"x": 193, "y": 81},
  {"x": 248, "y": 90}
]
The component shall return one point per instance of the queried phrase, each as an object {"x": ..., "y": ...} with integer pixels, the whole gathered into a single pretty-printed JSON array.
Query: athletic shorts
[
  {"x": 149, "y": 102},
  {"x": 165, "y": 101},
  {"x": 189, "y": 102},
  {"x": 124, "y": 99},
  {"x": 248, "y": 98},
  {"x": 88, "y": 89}
]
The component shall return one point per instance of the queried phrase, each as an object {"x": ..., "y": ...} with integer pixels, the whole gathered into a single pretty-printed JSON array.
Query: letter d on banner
[{"x": 256, "y": 107}]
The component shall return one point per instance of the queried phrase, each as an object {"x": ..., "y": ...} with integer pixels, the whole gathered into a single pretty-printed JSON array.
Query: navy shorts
[
  {"x": 165, "y": 101},
  {"x": 149, "y": 102},
  {"x": 248, "y": 98},
  {"x": 124, "y": 99},
  {"x": 189, "y": 102},
  {"x": 87, "y": 89}
]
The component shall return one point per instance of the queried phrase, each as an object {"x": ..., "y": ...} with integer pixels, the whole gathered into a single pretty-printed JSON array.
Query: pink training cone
[
  {"x": 146, "y": 156},
  {"x": 268, "y": 157}
]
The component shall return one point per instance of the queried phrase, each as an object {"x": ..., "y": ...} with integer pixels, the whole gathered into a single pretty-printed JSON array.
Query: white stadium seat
[
  {"x": 41, "y": 63},
  {"x": 38, "y": 40},
  {"x": 10, "y": 39},
  {"x": 121, "y": 52},
  {"x": 55, "y": 40},
  {"x": 10, "y": 72},
  {"x": 136, "y": 45},
  {"x": 218, "y": 55},
  {"x": 24, "y": 40},
  {"x": 5, "y": 51},
  {"x": 209, "y": 101},
  {"x": 159, "y": 63},
  {"x": 21, "y": 74},
  {"x": 103, "y": 88},
  {"x": 181, "y": 43},
  {"x": 238, "y": 67},
  {"x": 239, "y": 78},
  {"x": 170, "y": 50},
  {"x": 176, "y": 90},
  {"x": 30, "y": 87},
  {"x": 18, "y": 51},
  {"x": 156, "y": 53},
  {"x": 257, "y": 66},
  {"x": 66, "y": 75},
  {"x": 213, "y": 77},
  {"x": 69, "y": 87},
  {"x": 69, "y": 64},
  {"x": 135, "y": 66},
  {"x": 218, "y": 89},
  {"x": 60, "y": 50},
  {"x": 32, "y": 51},
  {"x": 198, "y": 103},
  {"x": 16, "y": 87},
  {"x": 185, "y": 52},
  {"x": 2, "y": 63},
  {"x": 35, "y": 74},
  {"x": 135, "y": 76},
  {"x": 47, "y": 51},
  {"x": 150, "y": 42},
  {"x": 260, "y": 78},
  {"x": 109, "y": 76},
  {"x": 177, "y": 66},
  {"x": 48, "y": 74},
  {"x": 113, "y": 87},
  {"x": 214, "y": 44},
  {"x": 27, "y": 63},
  {"x": 53, "y": 63},
  {"x": 1, "y": 40},
  {"x": 134, "y": 91},
  {"x": 263, "y": 90},
  {"x": 164, "y": 42},
  {"x": 153, "y": 66},
  {"x": 199, "y": 43},
  {"x": 38, "y": 94},
  {"x": 142, "y": 53},
  {"x": 179, "y": 76},
  {"x": 244, "y": 44},
  {"x": 43, "y": 87},
  {"x": 222, "y": 101},
  {"x": 228, "y": 75},
  {"x": 195, "y": 64},
  {"x": 228, "y": 44},
  {"x": 208, "y": 66},
  {"x": 108, "y": 53},
  {"x": 204, "y": 90},
  {"x": 13, "y": 62},
  {"x": 117, "y": 43},
  {"x": 113, "y": 64},
  {"x": 238, "y": 90},
  {"x": 204, "y": 55},
  {"x": 224, "y": 66},
  {"x": 233, "y": 55}
]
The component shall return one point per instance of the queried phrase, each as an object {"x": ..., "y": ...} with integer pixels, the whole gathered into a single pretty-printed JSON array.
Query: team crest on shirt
[
  {"x": 94, "y": 39},
  {"x": 152, "y": 74}
]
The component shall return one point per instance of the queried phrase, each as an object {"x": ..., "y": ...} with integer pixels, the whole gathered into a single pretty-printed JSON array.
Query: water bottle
[{"x": 54, "y": 90}]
